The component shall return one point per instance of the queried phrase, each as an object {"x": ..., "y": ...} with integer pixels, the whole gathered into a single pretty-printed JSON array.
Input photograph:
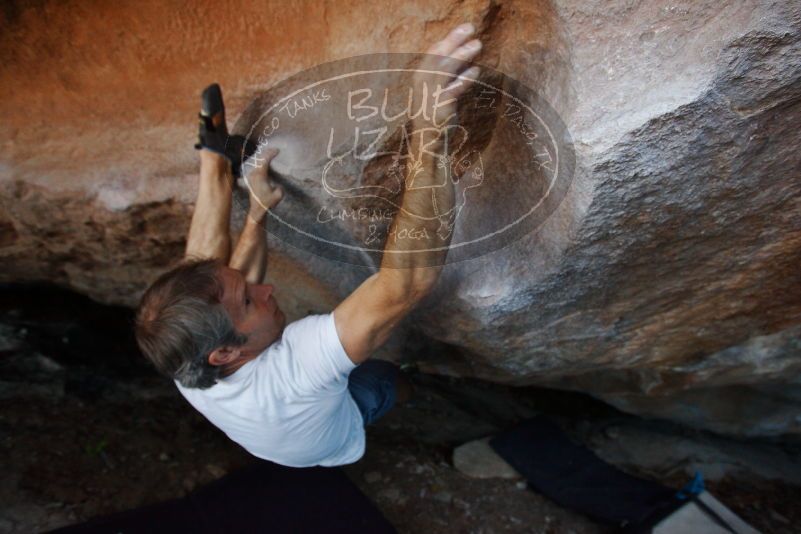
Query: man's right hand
[{"x": 447, "y": 60}]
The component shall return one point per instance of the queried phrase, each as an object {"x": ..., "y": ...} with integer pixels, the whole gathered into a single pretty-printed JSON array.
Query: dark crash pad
[{"x": 263, "y": 497}]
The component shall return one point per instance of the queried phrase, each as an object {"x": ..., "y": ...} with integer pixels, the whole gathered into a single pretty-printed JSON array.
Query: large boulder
[{"x": 667, "y": 281}]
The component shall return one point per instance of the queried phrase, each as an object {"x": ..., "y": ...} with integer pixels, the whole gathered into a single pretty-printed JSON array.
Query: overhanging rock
[{"x": 667, "y": 281}]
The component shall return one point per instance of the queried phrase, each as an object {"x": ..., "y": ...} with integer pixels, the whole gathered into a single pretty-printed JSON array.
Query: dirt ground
[{"x": 68, "y": 459}]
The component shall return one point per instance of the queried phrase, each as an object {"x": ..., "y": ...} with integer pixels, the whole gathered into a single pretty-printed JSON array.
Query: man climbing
[{"x": 297, "y": 394}]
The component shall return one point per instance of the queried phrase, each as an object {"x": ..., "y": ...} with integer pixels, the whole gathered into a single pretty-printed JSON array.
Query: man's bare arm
[
  {"x": 209, "y": 235},
  {"x": 250, "y": 253},
  {"x": 408, "y": 272}
]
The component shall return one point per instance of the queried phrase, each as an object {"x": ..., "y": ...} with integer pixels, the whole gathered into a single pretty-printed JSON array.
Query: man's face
[{"x": 253, "y": 310}]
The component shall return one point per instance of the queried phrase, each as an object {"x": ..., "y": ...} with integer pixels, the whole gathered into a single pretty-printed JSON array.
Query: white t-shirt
[{"x": 291, "y": 404}]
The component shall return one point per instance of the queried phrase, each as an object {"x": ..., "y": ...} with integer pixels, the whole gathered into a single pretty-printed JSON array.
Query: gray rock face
[
  {"x": 667, "y": 282},
  {"x": 687, "y": 253}
]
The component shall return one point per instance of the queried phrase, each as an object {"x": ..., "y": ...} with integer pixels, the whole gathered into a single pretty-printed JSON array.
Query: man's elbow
[
  {"x": 423, "y": 283},
  {"x": 410, "y": 286}
]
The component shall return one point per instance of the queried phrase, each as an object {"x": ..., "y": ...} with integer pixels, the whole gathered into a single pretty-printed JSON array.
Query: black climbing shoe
[{"x": 213, "y": 133}]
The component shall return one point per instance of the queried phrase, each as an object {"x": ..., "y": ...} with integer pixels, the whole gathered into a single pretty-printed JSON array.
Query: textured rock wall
[{"x": 667, "y": 283}]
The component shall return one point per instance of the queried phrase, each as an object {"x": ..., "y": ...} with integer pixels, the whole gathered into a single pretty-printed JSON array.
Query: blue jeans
[{"x": 372, "y": 386}]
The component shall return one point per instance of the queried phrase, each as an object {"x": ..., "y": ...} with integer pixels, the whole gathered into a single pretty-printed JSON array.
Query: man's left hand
[{"x": 264, "y": 193}]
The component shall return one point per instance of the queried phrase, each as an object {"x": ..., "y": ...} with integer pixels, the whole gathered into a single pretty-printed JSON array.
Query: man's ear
[{"x": 224, "y": 355}]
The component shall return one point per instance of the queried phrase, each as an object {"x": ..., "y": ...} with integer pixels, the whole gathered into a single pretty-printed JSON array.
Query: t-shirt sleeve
[{"x": 320, "y": 363}]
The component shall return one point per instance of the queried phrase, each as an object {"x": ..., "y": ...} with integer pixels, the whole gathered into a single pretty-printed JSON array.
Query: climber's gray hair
[{"x": 181, "y": 320}]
